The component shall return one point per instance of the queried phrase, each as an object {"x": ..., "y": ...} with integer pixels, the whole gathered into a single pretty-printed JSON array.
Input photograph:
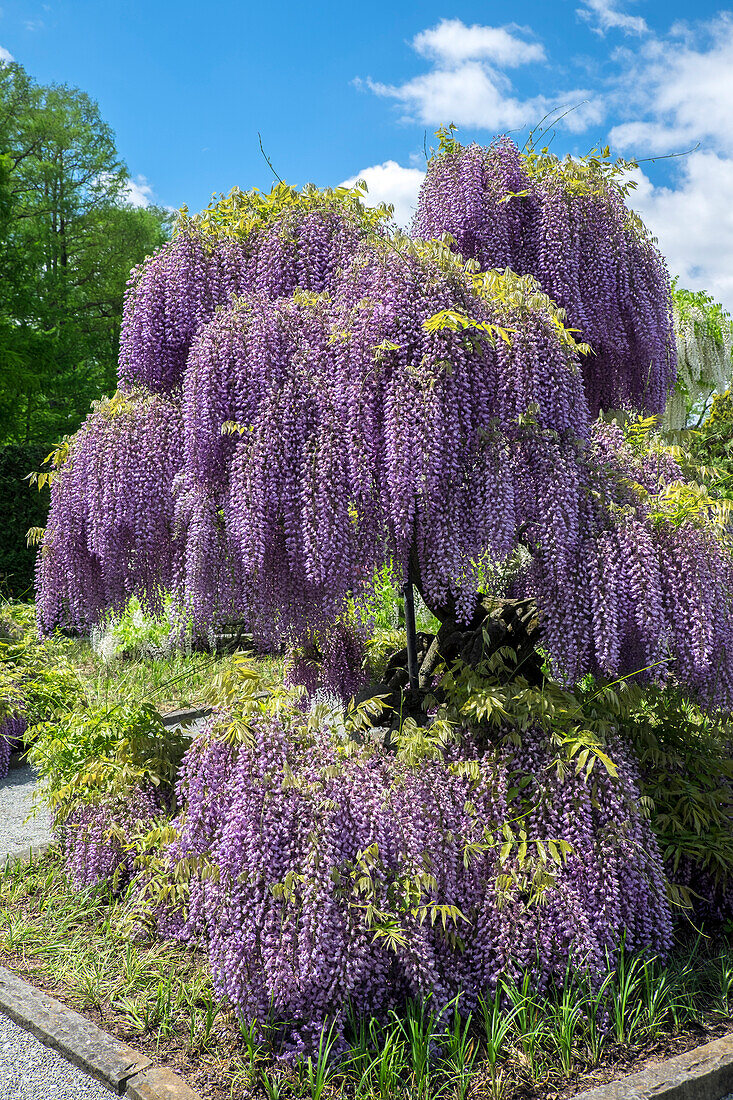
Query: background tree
[
  {"x": 704, "y": 335},
  {"x": 68, "y": 239},
  {"x": 67, "y": 242}
]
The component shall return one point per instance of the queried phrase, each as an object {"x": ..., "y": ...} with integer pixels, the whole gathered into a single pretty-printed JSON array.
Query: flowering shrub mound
[{"x": 325, "y": 873}]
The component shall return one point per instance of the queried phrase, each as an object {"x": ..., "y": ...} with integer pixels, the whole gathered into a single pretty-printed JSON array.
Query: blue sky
[{"x": 341, "y": 90}]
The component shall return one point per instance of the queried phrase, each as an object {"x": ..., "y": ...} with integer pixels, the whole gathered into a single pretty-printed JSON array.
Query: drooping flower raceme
[
  {"x": 93, "y": 838},
  {"x": 420, "y": 412},
  {"x": 631, "y": 590},
  {"x": 704, "y": 334},
  {"x": 566, "y": 223},
  {"x": 110, "y": 528},
  {"x": 12, "y": 728},
  {"x": 332, "y": 868}
]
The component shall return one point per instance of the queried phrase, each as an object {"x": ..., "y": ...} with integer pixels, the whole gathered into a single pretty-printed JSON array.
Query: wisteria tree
[
  {"x": 306, "y": 395},
  {"x": 704, "y": 334}
]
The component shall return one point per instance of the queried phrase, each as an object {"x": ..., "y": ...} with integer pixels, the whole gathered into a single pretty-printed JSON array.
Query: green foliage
[
  {"x": 241, "y": 213},
  {"x": 104, "y": 753},
  {"x": 19, "y": 511},
  {"x": 34, "y": 682},
  {"x": 704, "y": 337},
  {"x": 520, "y": 1039},
  {"x": 497, "y": 705},
  {"x": 686, "y": 758},
  {"x": 156, "y": 990},
  {"x": 712, "y": 443},
  {"x": 134, "y": 634},
  {"x": 707, "y": 318},
  {"x": 704, "y": 495},
  {"x": 68, "y": 238}
]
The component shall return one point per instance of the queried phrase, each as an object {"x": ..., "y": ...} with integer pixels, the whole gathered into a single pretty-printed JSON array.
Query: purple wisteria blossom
[
  {"x": 568, "y": 225},
  {"x": 310, "y": 845}
]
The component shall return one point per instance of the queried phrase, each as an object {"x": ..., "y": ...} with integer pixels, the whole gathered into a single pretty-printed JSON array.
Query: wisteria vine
[
  {"x": 331, "y": 870},
  {"x": 566, "y": 223},
  {"x": 389, "y": 401}
]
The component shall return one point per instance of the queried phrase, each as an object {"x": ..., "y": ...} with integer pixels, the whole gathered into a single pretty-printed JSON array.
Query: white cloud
[
  {"x": 467, "y": 85},
  {"x": 390, "y": 182},
  {"x": 5, "y": 56},
  {"x": 452, "y": 42},
  {"x": 475, "y": 95},
  {"x": 694, "y": 223},
  {"x": 604, "y": 15},
  {"x": 683, "y": 91},
  {"x": 138, "y": 192}
]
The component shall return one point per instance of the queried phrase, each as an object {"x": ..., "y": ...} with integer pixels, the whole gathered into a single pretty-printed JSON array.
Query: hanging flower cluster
[
  {"x": 12, "y": 728},
  {"x": 361, "y": 878},
  {"x": 643, "y": 583},
  {"x": 421, "y": 410},
  {"x": 360, "y": 423},
  {"x": 566, "y": 223},
  {"x": 94, "y": 838},
  {"x": 407, "y": 406},
  {"x": 247, "y": 242},
  {"x": 110, "y": 527}
]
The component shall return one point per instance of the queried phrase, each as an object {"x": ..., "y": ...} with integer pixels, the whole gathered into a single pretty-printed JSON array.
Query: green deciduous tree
[{"x": 68, "y": 239}]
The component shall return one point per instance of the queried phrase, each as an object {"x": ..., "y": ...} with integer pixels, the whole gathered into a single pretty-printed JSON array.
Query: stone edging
[
  {"x": 25, "y": 855},
  {"x": 703, "y": 1073},
  {"x": 110, "y": 1061},
  {"x": 185, "y": 717}
]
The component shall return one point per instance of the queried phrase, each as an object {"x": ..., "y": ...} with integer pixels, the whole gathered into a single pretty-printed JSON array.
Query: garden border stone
[
  {"x": 185, "y": 717},
  {"x": 25, "y": 855},
  {"x": 120, "y": 1068},
  {"x": 703, "y": 1073}
]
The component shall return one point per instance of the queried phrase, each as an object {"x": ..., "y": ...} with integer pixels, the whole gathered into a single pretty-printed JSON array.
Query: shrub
[
  {"x": 35, "y": 684},
  {"x": 96, "y": 838},
  {"x": 106, "y": 774},
  {"x": 136, "y": 634},
  {"x": 686, "y": 764},
  {"x": 324, "y": 873}
]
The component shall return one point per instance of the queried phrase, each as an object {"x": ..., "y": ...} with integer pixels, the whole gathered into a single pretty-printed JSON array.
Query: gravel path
[
  {"x": 29, "y": 1070},
  {"x": 16, "y": 803}
]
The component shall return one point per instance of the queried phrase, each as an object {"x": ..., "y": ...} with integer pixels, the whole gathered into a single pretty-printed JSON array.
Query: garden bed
[{"x": 157, "y": 996}]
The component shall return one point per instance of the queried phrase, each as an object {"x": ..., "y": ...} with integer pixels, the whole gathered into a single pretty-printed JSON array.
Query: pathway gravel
[
  {"x": 29, "y": 1070},
  {"x": 18, "y": 830}
]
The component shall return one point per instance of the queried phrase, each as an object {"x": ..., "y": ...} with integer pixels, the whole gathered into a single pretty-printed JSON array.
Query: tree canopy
[
  {"x": 68, "y": 239},
  {"x": 350, "y": 396}
]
